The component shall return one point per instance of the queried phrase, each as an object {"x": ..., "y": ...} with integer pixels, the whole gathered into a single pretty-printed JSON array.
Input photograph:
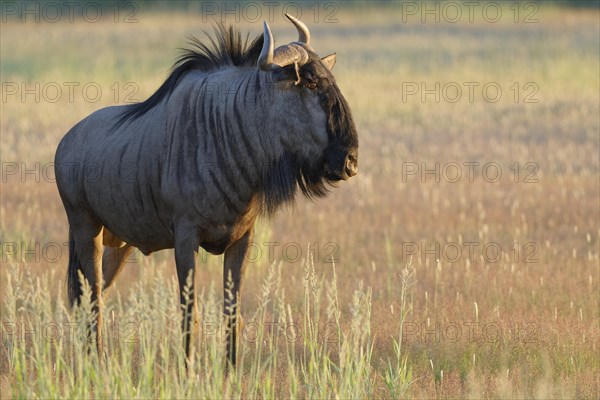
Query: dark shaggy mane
[
  {"x": 224, "y": 49},
  {"x": 285, "y": 177}
]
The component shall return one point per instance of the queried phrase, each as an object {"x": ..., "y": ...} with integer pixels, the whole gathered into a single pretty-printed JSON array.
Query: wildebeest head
[{"x": 305, "y": 85}]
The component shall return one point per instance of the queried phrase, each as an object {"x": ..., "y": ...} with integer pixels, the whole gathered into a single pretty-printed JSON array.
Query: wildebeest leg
[
  {"x": 233, "y": 273},
  {"x": 186, "y": 250},
  {"x": 113, "y": 261},
  {"x": 88, "y": 246}
]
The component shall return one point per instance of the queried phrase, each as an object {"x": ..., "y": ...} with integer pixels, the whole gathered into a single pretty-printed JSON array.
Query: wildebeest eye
[{"x": 311, "y": 85}]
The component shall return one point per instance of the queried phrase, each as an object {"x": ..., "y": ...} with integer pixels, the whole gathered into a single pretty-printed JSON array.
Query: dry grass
[{"x": 472, "y": 328}]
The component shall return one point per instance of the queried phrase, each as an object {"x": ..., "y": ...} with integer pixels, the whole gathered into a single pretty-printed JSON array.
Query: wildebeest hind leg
[{"x": 87, "y": 237}]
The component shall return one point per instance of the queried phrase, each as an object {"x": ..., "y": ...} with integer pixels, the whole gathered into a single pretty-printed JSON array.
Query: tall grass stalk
[{"x": 398, "y": 375}]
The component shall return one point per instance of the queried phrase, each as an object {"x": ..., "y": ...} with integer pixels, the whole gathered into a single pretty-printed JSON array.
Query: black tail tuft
[{"x": 73, "y": 283}]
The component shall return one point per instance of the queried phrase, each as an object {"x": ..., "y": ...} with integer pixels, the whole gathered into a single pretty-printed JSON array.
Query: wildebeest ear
[{"x": 329, "y": 61}]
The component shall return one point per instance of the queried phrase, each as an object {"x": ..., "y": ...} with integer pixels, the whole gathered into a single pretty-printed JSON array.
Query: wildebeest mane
[
  {"x": 285, "y": 176},
  {"x": 226, "y": 48}
]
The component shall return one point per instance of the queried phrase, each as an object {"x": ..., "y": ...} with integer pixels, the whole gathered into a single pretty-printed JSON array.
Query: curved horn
[
  {"x": 269, "y": 59},
  {"x": 265, "y": 59},
  {"x": 303, "y": 32}
]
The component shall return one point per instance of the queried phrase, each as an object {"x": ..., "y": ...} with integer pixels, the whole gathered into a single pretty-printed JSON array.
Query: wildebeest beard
[{"x": 289, "y": 173}]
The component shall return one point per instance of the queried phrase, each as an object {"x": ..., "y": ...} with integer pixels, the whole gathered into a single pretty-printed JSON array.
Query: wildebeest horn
[
  {"x": 303, "y": 32},
  {"x": 265, "y": 59},
  {"x": 270, "y": 59}
]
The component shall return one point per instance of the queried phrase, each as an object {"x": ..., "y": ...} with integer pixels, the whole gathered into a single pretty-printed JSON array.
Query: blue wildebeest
[{"x": 235, "y": 130}]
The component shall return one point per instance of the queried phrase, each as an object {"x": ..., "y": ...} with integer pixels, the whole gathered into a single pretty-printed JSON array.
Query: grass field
[{"x": 466, "y": 251}]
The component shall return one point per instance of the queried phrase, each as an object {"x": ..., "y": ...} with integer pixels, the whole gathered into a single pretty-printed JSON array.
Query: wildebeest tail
[{"x": 73, "y": 283}]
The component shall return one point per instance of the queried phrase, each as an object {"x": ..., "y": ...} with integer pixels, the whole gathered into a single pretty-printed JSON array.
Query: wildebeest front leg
[
  {"x": 233, "y": 273},
  {"x": 186, "y": 250}
]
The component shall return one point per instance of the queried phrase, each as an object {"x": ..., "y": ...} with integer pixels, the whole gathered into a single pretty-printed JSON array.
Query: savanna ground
[{"x": 495, "y": 278}]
